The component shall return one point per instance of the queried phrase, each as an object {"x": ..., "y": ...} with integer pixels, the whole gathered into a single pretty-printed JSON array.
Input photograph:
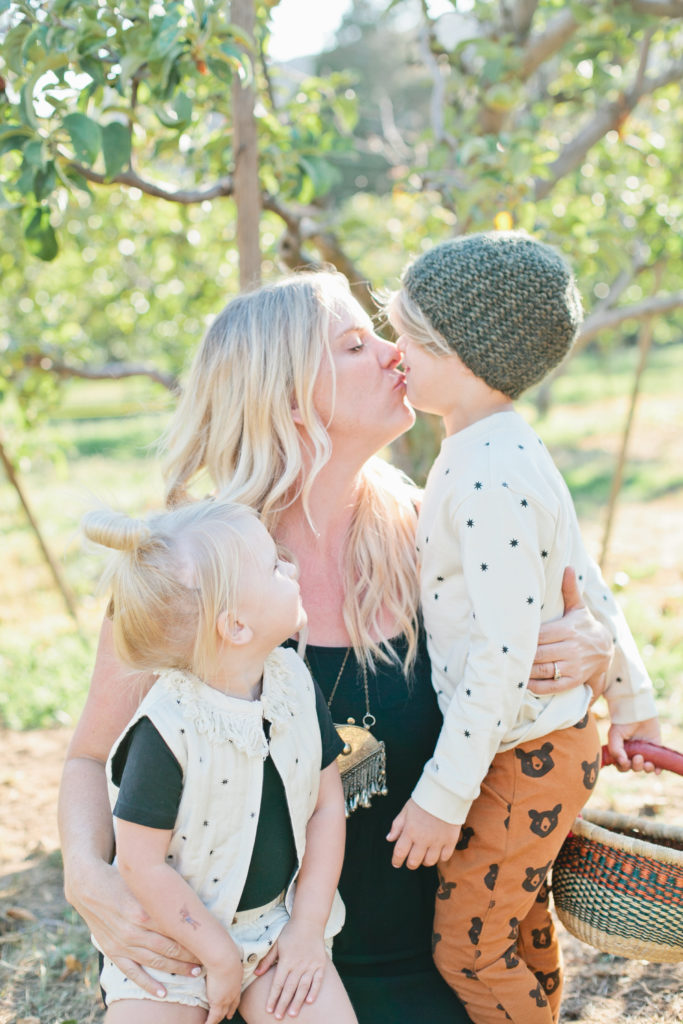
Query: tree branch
[
  {"x": 187, "y": 197},
  {"x": 656, "y": 305},
  {"x": 541, "y": 47},
  {"x": 331, "y": 251},
  {"x": 673, "y": 9},
  {"x": 437, "y": 99},
  {"x": 522, "y": 17},
  {"x": 609, "y": 117},
  {"x": 109, "y": 371}
]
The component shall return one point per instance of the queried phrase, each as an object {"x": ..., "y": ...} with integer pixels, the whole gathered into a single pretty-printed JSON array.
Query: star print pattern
[
  {"x": 213, "y": 837},
  {"x": 496, "y": 559}
]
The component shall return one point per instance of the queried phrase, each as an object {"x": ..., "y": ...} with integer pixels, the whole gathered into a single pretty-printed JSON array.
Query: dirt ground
[{"x": 52, "y": 979}]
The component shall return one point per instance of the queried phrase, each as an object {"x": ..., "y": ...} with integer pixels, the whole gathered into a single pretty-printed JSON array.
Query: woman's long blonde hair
[{"x": 259, "y": 359}]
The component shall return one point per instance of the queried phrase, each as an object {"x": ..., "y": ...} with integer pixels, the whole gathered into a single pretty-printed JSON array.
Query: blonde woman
[{"x": 290, "y": 397}]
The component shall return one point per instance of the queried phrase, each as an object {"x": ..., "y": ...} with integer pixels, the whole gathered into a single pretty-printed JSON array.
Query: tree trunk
[
  {"x": 644, "y": 346},
  {"x": 53, "y": 566},
  {"x": 247, "y": 190}
]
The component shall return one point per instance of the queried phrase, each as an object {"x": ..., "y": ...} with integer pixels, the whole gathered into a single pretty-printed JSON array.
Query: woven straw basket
[{"x": 618, "y": 881}]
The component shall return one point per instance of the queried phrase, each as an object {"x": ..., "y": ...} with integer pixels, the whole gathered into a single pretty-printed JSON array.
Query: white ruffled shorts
[{"x": 253, "y": 931}]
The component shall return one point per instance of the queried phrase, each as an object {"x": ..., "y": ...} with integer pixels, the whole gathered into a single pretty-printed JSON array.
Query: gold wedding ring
[{"x": 557, "y": 670}]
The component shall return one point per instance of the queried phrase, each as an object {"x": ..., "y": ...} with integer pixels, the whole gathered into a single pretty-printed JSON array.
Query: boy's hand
[
  {"x": 421, "y": 838},
  {"x": 301, "y": 961},
  {"x": 224, "y": 984},
  {"x": 647, "y": 730}
]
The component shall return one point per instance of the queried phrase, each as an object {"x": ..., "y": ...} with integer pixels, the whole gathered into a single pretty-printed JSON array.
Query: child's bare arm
[
  {"x": 300, "y": 949},
  {"x": 179, "y": 913}
]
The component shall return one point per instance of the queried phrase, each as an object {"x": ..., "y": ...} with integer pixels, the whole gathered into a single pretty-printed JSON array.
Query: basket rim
[{"x": 598, "y": 826}]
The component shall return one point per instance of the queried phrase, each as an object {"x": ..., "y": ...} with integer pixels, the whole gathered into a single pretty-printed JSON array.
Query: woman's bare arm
[{"x": 95, "y": 889}]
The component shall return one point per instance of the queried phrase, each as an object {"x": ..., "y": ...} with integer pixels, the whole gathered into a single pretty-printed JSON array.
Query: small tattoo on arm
[{"x": 187, "y": 918}]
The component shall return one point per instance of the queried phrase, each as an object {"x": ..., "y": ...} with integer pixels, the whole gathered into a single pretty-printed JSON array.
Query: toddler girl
[{"x": 227, "y": 802}]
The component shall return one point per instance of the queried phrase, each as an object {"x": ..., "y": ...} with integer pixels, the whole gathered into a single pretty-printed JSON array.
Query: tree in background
[{"x": 118, "y": 143}]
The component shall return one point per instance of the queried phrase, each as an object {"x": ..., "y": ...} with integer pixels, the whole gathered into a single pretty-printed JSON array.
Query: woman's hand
[
  {"x": 301, "y": 961},
  {"x": 124, "y": 932},
  {"x": 573, "y": 650}
]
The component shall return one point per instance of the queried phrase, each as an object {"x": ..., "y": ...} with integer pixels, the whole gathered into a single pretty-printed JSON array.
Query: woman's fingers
[
  {"x": 570, "y": 590},
  {"x": 139, "y": 976}
]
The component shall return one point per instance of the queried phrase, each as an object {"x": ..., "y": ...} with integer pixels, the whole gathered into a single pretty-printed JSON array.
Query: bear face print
[
  {"x": 534, "y": 877},
  {"x": 536, "y": 763},
  {"x": 544, "y": 822},
  {"x": 549, "y": 981},
  {"x": 510, "y": 959},
  {"x": 538, "y": 996},
  {"x": 445, "y": 888},
  {"x": 466, "y": 833},
  {"x": 541, "y": 938},
  {"x": 475, "y": 930},
  {"x": 543, "y": 893},
  {"x": 491, "y": 876},
  {"x": 590, "y": 772}
]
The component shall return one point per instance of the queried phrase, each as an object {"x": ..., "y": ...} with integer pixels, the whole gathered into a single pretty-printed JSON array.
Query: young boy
[{"x": 481, "y": 319}]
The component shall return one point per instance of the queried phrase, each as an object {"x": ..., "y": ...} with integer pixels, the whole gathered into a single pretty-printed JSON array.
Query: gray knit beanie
[{"x": 507, "y": 304}]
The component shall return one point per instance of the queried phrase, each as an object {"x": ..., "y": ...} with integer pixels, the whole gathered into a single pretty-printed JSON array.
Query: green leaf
[
  {"x": 220, "y": 68},
  {"x": 320, "y": 173},
  {"x": 33, "y": 153},
  {"x": 85, "y": 135},
  {"x": 45, "y": 181},
  {"x": 115, "y": 147},
  {"x": 26, "y": 108},
  {"x": 13, "y": 137},
  {"x": 13, "y": 46},
  {"x": 35, "y": 43},
  {"x": 183, "y": 107},
  {"x": 95, "y": 68},
  {"x": 165, "y": 33},
  {"x": 40, "y": 236}
]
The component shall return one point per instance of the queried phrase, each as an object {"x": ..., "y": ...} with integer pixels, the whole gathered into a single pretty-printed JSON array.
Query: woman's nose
[{"x": 390, "y": 354}]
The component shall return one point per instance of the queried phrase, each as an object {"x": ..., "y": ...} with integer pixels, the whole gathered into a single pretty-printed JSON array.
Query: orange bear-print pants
[{"x": 494, "y": 940}]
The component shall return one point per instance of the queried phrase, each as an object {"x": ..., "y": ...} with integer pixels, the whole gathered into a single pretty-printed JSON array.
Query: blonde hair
[
  {"x": 406, "y": 317},
  {"x": 260, "y": 358},
  {"x": 173, "y": 574}
]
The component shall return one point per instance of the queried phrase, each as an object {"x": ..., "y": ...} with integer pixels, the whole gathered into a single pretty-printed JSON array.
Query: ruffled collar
[{"x": 225, "y": 719}]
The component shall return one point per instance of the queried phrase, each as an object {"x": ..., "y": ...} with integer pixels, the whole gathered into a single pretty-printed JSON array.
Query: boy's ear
[{"x": 232, "y": 631}]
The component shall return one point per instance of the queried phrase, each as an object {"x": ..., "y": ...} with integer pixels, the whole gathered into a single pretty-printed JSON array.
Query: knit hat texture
[{"x": 507, "y": 304}]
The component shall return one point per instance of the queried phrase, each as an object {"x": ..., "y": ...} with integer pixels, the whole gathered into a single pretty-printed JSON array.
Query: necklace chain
[{"x": 368, "y": 718}]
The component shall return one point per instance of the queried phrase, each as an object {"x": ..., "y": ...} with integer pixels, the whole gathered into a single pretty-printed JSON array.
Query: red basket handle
[{"x": 661, "y": 757}]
